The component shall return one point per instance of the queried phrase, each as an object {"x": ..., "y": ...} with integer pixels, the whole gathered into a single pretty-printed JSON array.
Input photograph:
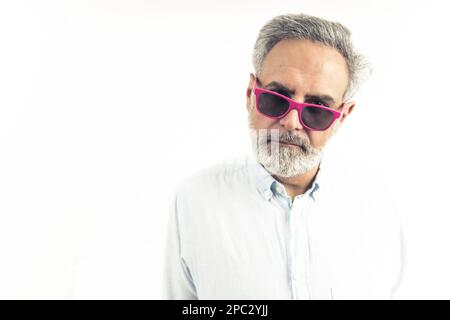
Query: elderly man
[{"x": 281, "y": 224}]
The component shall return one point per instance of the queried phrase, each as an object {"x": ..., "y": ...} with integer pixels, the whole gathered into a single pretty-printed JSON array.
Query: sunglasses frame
[{"x": 294, "y": 105}]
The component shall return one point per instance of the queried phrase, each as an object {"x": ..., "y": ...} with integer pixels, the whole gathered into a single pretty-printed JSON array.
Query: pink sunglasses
[{"x": 312, "y": 116}]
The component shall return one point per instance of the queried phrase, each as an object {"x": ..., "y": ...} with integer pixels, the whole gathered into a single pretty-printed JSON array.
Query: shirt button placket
[
  {"x": 293, "y": 250},
  {"x": 292, "y": 259},
  {"x": 300, "y": 246}
]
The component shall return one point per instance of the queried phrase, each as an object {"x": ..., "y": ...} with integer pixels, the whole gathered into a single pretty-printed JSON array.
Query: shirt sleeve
[{"x": 178, "y": 283}]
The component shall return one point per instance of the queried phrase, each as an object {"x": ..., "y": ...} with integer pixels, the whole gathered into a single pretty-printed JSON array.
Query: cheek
[
  {"x": 318, "y": 139},
  {"x": 258, "y": 121}
]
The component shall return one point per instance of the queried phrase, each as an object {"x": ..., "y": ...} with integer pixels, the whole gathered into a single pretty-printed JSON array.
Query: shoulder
[
  {"x": 360, "y": 190},
  {"x": 215, "y": 178}
]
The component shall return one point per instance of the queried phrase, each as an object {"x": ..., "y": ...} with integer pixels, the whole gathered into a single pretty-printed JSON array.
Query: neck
[{"x": 298, "y": 184}]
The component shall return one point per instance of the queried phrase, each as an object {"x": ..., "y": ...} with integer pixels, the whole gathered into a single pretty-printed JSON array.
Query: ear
[
  {"x": 347, "y": 108},
  {"x": 249, "y": 91}
]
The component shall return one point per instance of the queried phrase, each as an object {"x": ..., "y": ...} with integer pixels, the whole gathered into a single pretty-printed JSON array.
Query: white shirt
[{"x": 234, "y": 233}]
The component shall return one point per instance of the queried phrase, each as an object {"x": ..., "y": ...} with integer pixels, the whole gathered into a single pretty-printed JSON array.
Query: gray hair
[{"x": 305, "y": 27}]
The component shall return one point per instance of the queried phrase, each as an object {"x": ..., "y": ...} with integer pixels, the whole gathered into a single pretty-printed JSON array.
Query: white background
[{"x": 105, "y": 106}]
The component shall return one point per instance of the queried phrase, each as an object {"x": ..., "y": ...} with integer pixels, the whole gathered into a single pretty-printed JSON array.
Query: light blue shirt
[{"x": 234, "y": 233}]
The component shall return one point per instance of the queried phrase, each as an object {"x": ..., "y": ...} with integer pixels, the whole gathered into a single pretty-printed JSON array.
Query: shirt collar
[
  {"x": 264, "y": 181},
  {"x": 267, "y": 186}
]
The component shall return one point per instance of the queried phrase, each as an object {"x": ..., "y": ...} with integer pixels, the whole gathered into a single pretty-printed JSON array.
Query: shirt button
[{"x": 278, "y": 189}]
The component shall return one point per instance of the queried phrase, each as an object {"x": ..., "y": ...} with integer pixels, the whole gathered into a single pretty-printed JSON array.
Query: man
[{"x": 280, "y": 224}]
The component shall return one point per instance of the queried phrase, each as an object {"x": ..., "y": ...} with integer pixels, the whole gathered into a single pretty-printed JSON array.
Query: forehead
[{"x": 306, "y": 67}]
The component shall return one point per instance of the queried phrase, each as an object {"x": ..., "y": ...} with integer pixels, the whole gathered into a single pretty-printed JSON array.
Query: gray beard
[{"x": 281, "y": 160}]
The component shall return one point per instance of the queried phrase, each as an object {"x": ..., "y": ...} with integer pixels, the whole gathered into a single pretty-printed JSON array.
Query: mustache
[{"x": 290, "y": 139}]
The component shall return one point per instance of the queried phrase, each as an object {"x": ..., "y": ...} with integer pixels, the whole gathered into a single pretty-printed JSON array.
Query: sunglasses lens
[
  {"x": 272, "y": 105},
  {"x": 317, "y": 118}
]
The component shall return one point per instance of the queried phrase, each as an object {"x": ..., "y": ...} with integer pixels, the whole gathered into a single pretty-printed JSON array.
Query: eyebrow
[
  {"x": 323, "y": 97},
  {"x": 277, "y": 85}
]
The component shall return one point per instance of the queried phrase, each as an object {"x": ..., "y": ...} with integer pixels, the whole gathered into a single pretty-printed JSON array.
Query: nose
[{"x": 291, "y": 121}]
